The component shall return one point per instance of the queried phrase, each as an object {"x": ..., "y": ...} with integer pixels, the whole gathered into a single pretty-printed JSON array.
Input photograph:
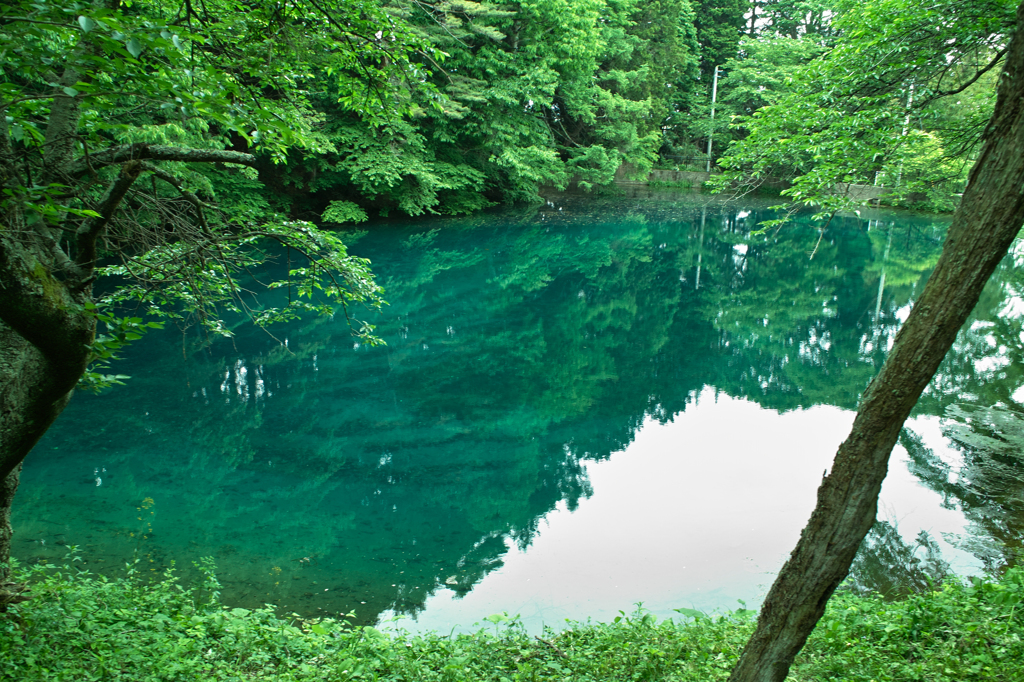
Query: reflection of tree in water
[
  {"x": 515, "y": 353},
  {"x": 985, "y": 366},
  {"x": 801, "y": 331},
  {"x": 978, "y": 390},
  {"x": 890, "y": 566},
  {"x": 988, "y": 486}
]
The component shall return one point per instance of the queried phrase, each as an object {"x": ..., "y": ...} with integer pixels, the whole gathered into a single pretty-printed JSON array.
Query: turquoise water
[{"x": 579, "y": 406}]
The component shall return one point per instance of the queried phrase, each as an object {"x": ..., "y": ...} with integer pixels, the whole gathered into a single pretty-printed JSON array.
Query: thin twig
[
  {"x": 552, "y": 645},
  {"x": 822, "y": 234}
]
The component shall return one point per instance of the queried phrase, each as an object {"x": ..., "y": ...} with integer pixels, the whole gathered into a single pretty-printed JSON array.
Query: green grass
[{"x": 79, "y": 626}]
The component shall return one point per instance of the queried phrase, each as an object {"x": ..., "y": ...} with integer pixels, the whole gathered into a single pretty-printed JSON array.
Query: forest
[
  {"x": 464, "y": 104},
  {"x": 154, "y": 154}
]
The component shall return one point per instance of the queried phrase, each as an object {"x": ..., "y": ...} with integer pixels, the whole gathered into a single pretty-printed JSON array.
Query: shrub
[{"x": 80, "y": 626}]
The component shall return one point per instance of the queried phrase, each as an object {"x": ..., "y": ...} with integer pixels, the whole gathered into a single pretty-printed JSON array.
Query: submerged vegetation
[{"x": 85, "y": 627}]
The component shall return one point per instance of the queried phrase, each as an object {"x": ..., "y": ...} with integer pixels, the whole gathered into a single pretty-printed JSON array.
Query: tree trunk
[
  {"x": 45, "y": 329},
  {"x": 8, "y": 486},
  {"x": 10, "y": 592},
  {"x": 45, "y": 334},
  {"x": 35, "y": 392},
  {"x": 989, "y": 218},
  {"x": 31, "y": 398}
]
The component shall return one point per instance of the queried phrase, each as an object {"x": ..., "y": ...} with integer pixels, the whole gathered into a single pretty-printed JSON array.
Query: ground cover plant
[{"x": 80, "y": 626}]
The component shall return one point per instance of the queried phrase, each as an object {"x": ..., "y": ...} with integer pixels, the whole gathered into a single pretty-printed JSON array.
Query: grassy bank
[{"x": 82, "y": 627}]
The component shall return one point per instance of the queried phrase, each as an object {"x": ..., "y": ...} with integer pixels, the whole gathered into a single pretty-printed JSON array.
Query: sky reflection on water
[
  {"x": 562, "y": 422},
  {"x": 697, "y": 513}
]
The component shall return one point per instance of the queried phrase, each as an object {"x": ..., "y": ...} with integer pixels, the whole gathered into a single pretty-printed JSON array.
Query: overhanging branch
[
  {"x": 189, "y": 196},
  {"x": 89, "y": 233},
  {"x": 971, "y": 81},
  {"x": 148, "y": 152}
]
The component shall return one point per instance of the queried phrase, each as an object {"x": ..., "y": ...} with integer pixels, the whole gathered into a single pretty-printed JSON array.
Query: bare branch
[
  {"x": 189, "y": 196},
  {"x": 924, "y": 102},
  {"x": 89, "y": 233},
  {"x": 821, "y": 235}
]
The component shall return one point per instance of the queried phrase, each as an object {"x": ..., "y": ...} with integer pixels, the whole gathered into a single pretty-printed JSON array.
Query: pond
[{"x": 580, "y": 406}]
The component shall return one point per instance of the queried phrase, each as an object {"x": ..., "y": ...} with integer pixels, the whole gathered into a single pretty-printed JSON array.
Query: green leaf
[
  {"x": 134, "y": 47},
  {"x": 70, "y": 91},
  {"x": 318, "y": 629},
  {"x": 86, "y": 23},
  {"x": 692, "y": 613},
  {"x": 343, "y": 212}
]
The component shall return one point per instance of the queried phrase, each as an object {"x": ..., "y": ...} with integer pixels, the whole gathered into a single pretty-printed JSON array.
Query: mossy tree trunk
[
  {"x": 46, "y": 275},
  {"x": 69, "y": 106},
  {"x": 8, "y": 486},
  {"x": 989, "y": 218},
  {"x": 45, "y": 335},
  {"x": 45, "y": 330}
]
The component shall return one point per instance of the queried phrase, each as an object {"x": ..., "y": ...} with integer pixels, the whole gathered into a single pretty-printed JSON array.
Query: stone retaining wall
[
  {"x": 859, "y": 193},
  {"x": 694, "y": 178},
  {"x": 862, "y": 193}
]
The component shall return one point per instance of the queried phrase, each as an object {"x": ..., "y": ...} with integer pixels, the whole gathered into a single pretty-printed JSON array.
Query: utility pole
[
  {"x": 906, "y": 127},
  {"x": 711, "y": 132}
]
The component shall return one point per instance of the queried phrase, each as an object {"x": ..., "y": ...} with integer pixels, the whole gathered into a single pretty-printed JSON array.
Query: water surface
[{"x": 580, "y": 406}]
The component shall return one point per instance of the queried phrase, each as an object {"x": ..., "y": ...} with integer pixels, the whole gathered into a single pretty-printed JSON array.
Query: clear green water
[{"x": 580, "y": 406}]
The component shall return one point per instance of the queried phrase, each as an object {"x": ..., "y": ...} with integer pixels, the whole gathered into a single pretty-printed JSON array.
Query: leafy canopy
[
  {"x": 874, "y": 107},
  {"x": 113, "y": 115}
]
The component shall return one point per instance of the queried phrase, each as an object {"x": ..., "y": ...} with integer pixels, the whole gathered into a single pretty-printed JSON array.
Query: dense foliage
[
  {"x": 464, "y": 103},
  {"x": 81, "y": 627},
  {"x": 526, "y": 94},
  {"x": 138, "y": 140},
  {"x": 127, "y": 149},
  {"x": 886, "y": 93}
]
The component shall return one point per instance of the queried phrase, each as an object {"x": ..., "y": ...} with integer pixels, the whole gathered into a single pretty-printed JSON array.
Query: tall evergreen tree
[{"x": 719, "y": 24}]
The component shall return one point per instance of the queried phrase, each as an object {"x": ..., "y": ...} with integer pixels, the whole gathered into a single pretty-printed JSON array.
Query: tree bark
[
  {"x": 990, "y": 216},
  {"x": 8, "y": 486},
  {"x": 35, "y": 391},
  {"x": 45, "y": 334},
  {"x": 29, "y": 403},
  {"x": 10, "y": 591},
  {"x": 44, "y": 349},
  {"x": 59, "y": 144}
]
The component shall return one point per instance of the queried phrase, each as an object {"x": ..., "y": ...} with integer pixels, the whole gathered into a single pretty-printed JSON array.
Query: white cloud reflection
[{"x": 695, "y": 513}]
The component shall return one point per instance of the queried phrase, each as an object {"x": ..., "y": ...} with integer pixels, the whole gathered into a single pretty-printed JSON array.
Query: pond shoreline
[{"x": 131, "y": 629}]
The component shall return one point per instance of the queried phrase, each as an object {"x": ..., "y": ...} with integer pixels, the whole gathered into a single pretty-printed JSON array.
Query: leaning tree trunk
[
  {"x": 45, "y": 334},
  {"x": 990, "y": 216},
  {"x": 45, "y": 329},
  {"x": 46, "y": 277},
  {"x": 47, "y": 269}
]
